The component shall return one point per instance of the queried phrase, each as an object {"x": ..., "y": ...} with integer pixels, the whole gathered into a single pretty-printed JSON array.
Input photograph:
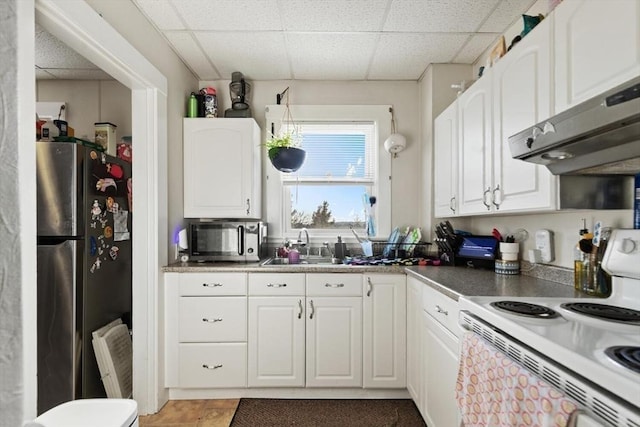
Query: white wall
[
  {"x": 88, "y": 102},
  {"x": 17, "y": 214},
  {"x": 403, "y": 96},
  {"x": 125, "y": 17}
]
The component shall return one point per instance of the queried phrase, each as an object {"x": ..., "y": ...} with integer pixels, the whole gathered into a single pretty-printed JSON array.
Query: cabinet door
[
  {"x": 222, "y": 170},
  {"x": 334, "y": 342},
  {"x": 474, "y": 121},
  {"x": 384, "y": 330},
  {"x": 597, "y": 46},
  {"x": 445, "y": 162},
  {"x": 521, "y": 98},
  {"x": 414, "y": 318},
  {"x": 440, "y": 372},
  {"x": 276, "y": 342}
]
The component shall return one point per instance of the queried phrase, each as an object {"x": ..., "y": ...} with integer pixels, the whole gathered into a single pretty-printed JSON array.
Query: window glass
[{"x": 328, "y": 191}]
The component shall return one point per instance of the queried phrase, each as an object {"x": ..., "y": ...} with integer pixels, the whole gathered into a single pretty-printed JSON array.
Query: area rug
[{"x": 327, "y": 413}]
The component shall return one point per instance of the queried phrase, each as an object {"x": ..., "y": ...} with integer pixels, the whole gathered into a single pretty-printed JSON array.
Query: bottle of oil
[{"x": 582, "y": 269}]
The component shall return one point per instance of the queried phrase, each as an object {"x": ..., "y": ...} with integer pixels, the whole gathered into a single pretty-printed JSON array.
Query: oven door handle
[{"x": 580, "y": 418}]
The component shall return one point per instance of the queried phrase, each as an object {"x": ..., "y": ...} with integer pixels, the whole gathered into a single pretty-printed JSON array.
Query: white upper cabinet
[
  {"x": 521, "y": 98},
  {"x": 222, "y": 168},
  {"x": 475, "y": 144},
  {"x": 597, "y": 46},
  {"x": 445, "y": 162}
]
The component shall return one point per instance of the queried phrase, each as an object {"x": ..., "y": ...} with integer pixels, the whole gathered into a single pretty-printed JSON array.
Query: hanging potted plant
[
  {"x": 285, "y": 153},
  {"x": 284, "y": 149}
]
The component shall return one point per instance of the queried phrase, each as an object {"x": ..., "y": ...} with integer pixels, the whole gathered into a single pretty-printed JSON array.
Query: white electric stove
[{"x": 593, "y": 357}]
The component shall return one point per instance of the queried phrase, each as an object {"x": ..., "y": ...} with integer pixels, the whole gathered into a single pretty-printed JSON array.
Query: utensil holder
[{"x": 509, "y": 251}]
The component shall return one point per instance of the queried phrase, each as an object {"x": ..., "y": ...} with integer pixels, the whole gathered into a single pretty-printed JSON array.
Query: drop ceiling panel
[
  {"x": 438, "y": 15},
  {"x": 475, "y": 47},
  {"x": 229, "y": 15},
  {"x": 507, "y": 12},
  {"x": 260, "y": 56},
  {"x": 406, "y": 56},
  {"x": 333, "y": 15},
  {"x": 189, "y": 50},
  {"x": 162, "y": 14},
  {"x": 323, "y": 56},
  {"x": 52, "y": 53}
]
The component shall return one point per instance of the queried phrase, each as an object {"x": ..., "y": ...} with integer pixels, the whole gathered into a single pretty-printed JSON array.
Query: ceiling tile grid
[{"x": 316, "y": 39}]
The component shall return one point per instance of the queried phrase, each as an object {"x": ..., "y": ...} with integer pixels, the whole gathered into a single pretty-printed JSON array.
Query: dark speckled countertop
[
  {"x": 461, "y": 281},
  {"x": 451, "y": 281}
]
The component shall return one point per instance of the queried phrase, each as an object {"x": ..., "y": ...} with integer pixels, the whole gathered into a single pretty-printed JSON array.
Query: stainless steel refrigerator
[{"x": 84, "y": 264}]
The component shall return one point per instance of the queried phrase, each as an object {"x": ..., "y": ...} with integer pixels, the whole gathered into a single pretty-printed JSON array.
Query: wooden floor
[{"x": 193, "y": 413}]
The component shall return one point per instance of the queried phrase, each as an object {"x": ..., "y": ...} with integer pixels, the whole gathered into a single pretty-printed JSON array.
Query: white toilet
[{"x": 90, "y": 413}]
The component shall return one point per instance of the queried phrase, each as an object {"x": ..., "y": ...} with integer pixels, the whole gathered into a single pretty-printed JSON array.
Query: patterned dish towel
[{"x": 494, "y": 391}]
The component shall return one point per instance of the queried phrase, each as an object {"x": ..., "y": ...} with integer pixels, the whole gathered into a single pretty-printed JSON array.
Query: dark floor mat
[{"x": 327, "y": 413}]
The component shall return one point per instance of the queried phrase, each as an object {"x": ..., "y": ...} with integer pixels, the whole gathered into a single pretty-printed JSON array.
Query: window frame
[{"x": 276, "y": 193}]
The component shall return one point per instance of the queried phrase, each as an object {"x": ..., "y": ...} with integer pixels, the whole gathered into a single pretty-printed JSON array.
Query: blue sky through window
[{"x": 332, "y": 155}]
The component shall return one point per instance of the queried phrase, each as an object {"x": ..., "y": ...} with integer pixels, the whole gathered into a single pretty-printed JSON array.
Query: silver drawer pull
[
  {"x": 334, "y": 285},
  {"x": 211, "y": 285},
  {"x": 217, "y": 319},
  {"x": 277, "y": 285},
  {"x": 300, "y": 308},
  {"x": 211, "y": 367},
  {"x": 441, "y": 310}
]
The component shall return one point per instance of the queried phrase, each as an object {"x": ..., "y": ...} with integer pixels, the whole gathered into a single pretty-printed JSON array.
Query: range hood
[{"x": 598, "y": 136}]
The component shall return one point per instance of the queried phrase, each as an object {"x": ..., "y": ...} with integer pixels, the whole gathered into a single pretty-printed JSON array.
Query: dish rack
[{"x": 421, "y": 249}]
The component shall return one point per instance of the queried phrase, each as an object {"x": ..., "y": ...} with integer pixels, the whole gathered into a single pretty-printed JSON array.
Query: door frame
[{"x": 79, "y": 26}]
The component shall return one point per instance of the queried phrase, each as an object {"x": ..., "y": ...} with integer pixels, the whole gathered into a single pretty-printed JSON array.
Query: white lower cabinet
[
  {"x": 384, "y": 337},
  {"x": 276, "y": 339},
  {"x": 334, "y": 330},
  {"x": 439, "y": 356},
  {"x": 206, "y": 330},
  {"x": 414, "y": 339}
]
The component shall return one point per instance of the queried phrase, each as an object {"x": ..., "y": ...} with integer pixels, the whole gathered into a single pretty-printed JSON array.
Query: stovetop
[{"x": 581, "y": 343}]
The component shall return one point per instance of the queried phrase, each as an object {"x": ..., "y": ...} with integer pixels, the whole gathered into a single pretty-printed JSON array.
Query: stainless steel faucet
[{"x": 304, "y": 244}]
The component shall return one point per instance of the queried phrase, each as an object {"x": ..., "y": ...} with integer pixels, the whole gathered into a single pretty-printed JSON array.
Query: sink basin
[{"x": 311, "y": 260}]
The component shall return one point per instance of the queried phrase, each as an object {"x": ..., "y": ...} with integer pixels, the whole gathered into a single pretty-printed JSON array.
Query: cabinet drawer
[
  {"x": 276, "y": 284},
  {"x": 213, "y": 365},
  {"x": 442, "y": 308},
  {"x": 337, "y": 284},
  {"x": 213, "y": 284},
  {"x": 212, "y": 319}
]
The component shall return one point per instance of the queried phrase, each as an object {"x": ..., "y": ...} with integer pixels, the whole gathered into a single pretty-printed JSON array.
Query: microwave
[{"x": 226, "y": 240}]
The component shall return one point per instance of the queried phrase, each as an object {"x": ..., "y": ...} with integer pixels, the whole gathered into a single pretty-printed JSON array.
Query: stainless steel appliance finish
[
  {"x": 603, "y": 131},
  {"x": 226, "y": 240},
  {"x": 80, "y": 286}
]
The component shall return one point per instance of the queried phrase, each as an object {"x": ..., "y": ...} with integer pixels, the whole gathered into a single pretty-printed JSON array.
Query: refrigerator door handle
[{"x": 240, "y": 240}]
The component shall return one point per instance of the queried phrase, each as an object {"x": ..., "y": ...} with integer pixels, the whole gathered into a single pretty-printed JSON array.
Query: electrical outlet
[{"x": 544, "y": 243}]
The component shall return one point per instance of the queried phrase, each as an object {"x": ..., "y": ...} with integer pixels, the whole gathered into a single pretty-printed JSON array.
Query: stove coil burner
[
  {"x": 626, "y": 356},
  {"x": 525, "y": 309},
  {"x": 605, "y": 312}
]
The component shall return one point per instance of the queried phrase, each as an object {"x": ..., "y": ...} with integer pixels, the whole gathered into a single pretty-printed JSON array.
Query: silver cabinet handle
[
  {"x": 217, "y": 319},
  {"x": 211, "y": 285},
  {"x": 277, "y": 285},
  {"x": 212, "y": 367},
  {"x": 452, "y": 203},
  {"x": 497, "y": 205},
  {"x": 300, "y": 307},
  {"x": 313, "y": 309},
  {"x": 248, "y": 206},
  {"x": 369, "y": 286},
  {"x": 441, "y": 310},
  {"x": 334, "y": 285},
  {"x": 484, "y": 198}
]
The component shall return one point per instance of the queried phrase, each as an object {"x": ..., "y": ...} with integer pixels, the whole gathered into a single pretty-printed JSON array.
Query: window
[{"x": 330, "y": 193}]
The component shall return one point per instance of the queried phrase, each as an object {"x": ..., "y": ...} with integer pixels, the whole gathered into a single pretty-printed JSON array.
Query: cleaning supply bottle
[{"x": 340, "y": 249}]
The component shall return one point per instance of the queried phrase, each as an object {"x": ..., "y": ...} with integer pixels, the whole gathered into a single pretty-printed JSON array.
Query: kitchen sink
[{"x": 310, "y": 260}]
